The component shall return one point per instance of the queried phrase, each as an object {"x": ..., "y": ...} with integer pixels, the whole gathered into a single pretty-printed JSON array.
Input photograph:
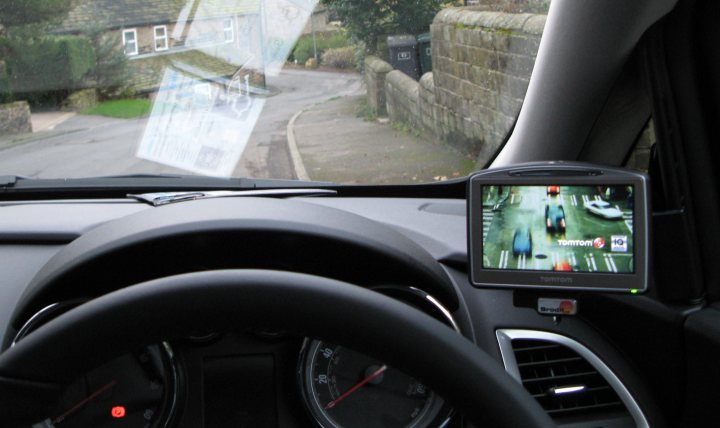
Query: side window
[
  {"x": 161, "y": 38},
  {"x": 228, "y": 30},
  {"x": 640, "y": 156},
  {"x": 130, "y": 44}
]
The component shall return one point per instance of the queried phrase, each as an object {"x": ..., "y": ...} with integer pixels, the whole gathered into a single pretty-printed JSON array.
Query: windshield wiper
[
  {"x": 164, "y": 198},
  {"x": 10, "y": 180},
  {"x": 145, "y": 183}
]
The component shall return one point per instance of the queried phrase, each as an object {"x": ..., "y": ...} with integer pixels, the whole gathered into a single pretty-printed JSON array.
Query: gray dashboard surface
[
  {"x": 18, "y": 265},
  {"x": 58, "y": 221},
  {"x": 438, "y": 225},
  {"x": 33, "y": 232}
]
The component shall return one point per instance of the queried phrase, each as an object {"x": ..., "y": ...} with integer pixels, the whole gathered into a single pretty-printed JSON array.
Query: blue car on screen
[
  {"x": 522, "y": 242},
  {"x": 555, "y": 218}
]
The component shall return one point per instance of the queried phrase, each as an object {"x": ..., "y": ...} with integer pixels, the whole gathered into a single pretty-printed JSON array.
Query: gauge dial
[
  {"x": 344, "y": 388},
  {"x": 136, "y": 390}
]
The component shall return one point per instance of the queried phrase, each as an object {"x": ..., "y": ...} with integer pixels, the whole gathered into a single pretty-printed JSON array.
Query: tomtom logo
[
  {"x": 557, "y": 279},
  {"x": 597, "y": 242}
]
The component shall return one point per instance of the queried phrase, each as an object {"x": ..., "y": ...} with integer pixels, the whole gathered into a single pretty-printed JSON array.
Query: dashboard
[{"x": 57, "y": 255}]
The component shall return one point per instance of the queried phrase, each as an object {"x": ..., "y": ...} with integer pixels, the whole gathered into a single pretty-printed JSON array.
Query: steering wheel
[{"x": 32, "y": 372}]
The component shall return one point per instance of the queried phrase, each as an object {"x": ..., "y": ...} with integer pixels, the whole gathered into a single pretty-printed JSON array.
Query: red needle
[
  {"x": 87, "y": 399},
  {"x": 360, "y": 384}
]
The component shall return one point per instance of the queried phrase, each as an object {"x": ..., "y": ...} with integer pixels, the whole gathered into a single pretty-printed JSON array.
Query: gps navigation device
[{"x": 559, "y": 225}]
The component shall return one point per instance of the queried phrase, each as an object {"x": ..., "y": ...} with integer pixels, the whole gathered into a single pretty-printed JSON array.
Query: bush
[
  {"x": 5, "y": 95},
  {"x": 360, "y": 51},
  {"x": 339, "y": 57},
  {"x": 324, "y": 41}
]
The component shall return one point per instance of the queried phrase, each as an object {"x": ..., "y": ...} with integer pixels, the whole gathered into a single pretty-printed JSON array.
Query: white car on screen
[{"x": 604, "y": 210}]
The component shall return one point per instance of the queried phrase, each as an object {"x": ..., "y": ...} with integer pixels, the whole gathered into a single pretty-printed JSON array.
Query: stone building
[{"x": 214, "y": 40}]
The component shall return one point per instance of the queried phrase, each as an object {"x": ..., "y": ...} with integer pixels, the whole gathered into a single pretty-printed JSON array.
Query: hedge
[
  {"x": 327, "y": 40},
  {"x": 339, "y": 57},
  {"x": 49, "y": 64}
]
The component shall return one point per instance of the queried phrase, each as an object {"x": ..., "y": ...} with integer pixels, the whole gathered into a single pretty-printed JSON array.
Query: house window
[
  {"x": 130, "y": 44},
  {"x": 228, "y": 30},
  {"x": 161, "y": 38}
]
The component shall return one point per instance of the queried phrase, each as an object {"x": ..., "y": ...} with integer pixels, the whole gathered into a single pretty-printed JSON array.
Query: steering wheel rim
[{"x": 303, "y": 304}]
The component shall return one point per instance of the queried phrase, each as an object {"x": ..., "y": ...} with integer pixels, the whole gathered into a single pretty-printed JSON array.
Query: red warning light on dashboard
[{"x": 117, "y": 412}]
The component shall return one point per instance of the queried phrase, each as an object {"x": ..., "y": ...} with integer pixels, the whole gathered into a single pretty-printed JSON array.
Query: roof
[
  {"x": 147, "y": 73},
  {"x": 132, "y": 13}
]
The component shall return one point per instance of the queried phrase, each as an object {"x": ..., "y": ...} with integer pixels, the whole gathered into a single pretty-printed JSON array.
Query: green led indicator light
[{"x": 634, "y": 291}]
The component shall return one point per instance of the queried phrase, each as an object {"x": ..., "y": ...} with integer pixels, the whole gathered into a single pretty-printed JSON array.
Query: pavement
[
  {"x": 334, "y": 142},
  {"x": 266, "y": 154},
  {"x": 47, "y": 121}
]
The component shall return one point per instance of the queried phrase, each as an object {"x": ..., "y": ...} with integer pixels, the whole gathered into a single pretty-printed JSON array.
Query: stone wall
[
  {"x": 319, "y": 21},
  {"x": 81, "y": 100},
  {"x": 413, "y": 102},
  {"x": 482, "y": 63},
  {"x": 402, "y": 92},
  {"x": 375, "y": 72},
  {"x": 15, "y": 118}
]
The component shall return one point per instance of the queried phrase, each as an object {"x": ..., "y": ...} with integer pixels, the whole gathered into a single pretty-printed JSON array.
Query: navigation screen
[{"x": 558, "y": 228}]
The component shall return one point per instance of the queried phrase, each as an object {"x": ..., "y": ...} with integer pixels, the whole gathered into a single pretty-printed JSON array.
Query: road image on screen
[{"x": 558, "y": 228}]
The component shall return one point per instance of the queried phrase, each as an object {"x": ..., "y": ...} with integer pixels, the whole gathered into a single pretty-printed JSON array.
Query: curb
[
  {"x": 21, "y": 139},
  {"x": 295, "y": 158}
]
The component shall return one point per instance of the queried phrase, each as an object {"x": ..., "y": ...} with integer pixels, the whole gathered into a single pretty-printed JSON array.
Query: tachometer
[{"x": 136, "y": 390}]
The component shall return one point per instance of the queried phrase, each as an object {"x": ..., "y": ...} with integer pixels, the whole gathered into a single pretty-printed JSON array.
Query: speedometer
[{"x": 344, "y": 388}]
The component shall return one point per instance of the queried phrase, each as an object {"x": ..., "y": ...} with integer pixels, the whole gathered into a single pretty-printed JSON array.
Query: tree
[
  {"x": 368, "y": 20},
  {"x": 111, "y": 74},
  {"x": 22, "y": 12}
]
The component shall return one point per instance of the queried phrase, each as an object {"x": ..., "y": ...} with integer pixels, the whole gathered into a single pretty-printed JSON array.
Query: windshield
[{"x": 347, "y": 91}]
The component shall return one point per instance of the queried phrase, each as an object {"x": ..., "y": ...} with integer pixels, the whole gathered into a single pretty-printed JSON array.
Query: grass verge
[{"x": 122, "y": 109}]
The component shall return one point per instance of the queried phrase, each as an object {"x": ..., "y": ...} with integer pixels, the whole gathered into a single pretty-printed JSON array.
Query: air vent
[
  {"x": 562, "y": 381},
  {"x": 568, "y": 380}
]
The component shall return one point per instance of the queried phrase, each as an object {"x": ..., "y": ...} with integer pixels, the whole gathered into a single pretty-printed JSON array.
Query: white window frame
[
  {"x": 134, "y": 40},
  {"x": 228, "y": 29},
  {"x": 164, "y": 38}
]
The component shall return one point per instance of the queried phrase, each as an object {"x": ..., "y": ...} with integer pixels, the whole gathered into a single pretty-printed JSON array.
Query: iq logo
[
  {"x": 598, "y": 242},
  {"x": 618, "y": 243}
]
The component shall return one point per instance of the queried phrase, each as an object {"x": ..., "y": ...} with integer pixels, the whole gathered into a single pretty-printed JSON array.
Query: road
[
  {"x": 86, "y": 146},
  {"x": 524, "y": 207}
]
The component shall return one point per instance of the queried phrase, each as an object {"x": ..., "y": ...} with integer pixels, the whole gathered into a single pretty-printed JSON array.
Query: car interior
[{"x": 293, "y": 304}]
